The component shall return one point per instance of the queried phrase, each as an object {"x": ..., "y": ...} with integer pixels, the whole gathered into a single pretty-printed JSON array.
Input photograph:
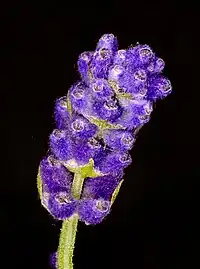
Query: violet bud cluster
[{"x": 98, "y": 120}]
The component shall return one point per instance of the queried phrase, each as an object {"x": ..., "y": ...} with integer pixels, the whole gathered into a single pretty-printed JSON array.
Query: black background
[{"x": 153, "y": 223}]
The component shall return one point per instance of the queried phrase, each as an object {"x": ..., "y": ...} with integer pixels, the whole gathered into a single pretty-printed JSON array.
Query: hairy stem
[
  {"x": 77, "y": 185},
  {"x": 66, "y": 243},
  {"x": 69, "y": 229}
]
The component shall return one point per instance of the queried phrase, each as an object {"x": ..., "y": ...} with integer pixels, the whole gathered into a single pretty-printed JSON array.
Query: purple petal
[
  {"x": 108, "y": 110},
  {"x": 120, "y": 57},
  {"x": 78, "y": 95},
  {"x": 100, "y": 89},
  {"x": 136, "y": 113},
  {"x": 84, "y": 150},
  {"x": 101, "y": 187},
  {"x": 113, "y": 161},
  {"x": 159, "y": 87},
  {"x": 93, "y": 211},
  {"x": 61, "y": 205},
  {"x": 81, "y": 127},
  {"x": 54, "y": 175},
  {"x": 156, "y": 66},
  {"x": 61, "y": 145},
  {"x": 62, "y": 116},
  {"x": 101, "y": 62},
  {"x": 139, "y": 56},
  {"x": 118, "y": 140},
  {"x": 83, "y": 65},
  {"x": 108, "y": 41}
]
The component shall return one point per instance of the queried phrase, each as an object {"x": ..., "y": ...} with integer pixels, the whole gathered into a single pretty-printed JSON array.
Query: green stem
[
  {"x": 77, "y": 185},
  {"x": 69, "y": 229},
  {"x": 66, "y": 243}
]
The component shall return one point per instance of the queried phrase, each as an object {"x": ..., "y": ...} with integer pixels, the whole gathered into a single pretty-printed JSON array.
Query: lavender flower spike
[{"x": 95, "y": 128}]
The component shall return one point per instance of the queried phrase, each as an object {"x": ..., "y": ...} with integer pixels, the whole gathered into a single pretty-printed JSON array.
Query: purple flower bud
[
  {"x": 138, "y": 56},
  {"x": 156, "y": 66},
  {"x": 139, "y": 76},
  {"x": 159, "y": 65},
  {"x": 100, "y": 89},
  {"x": 118, "y": 140},
  {"x": 61, "y": 113},
  {"x": 83, "y": 65},
  {"x": 93, "y": 211},
  {"x": 108, "y": 41},
  {"x": 54, "y": 175},
  {"x": 61, "y": 204},
  {"x": 101, "y": 187},
  {"x": 115, "y": 72},
  {"x": 101, "y": 62},
  {"x": 120, "y": 57},
  {"x": 84, "y": 150},
  {"x": 159, "y": 87},
  {"x": 136, "y": 113},
  {"x": 112, "y": 161},
  {"x": 145, "y": 53},
  {"x": 78, "y": 95},
  {"x": 133, "y": 82},
  {"x": 108, "y": 110},
  {"x": 61, "y": 145},
  {"x": 140, "y": 92},
  {"x": 81, "y": 127}
]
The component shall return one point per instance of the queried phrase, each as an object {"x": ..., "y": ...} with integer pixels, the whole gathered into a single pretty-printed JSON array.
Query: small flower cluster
[{"x": 96, "y": 126}]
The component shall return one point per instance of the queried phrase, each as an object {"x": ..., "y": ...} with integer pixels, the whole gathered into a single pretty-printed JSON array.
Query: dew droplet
[
  {"x": 108, "y": 37},
  {"x": 78, "y": 92},
  {"x": 146, "y": 52},
  {"x": 127, "y": 139},
  {"x": 122, "y": 53},
  {"x": 63, "y": 103},
  {"x": 77, "y": 125},
  {"x": 165, "y": 86},
  {"x": 125, "y": 157},
  {"x": 52, "y": 161},
  {"x": 58, "y": 133},
  {"x": 62, "y": 198},
  {"x": 104, "y": 53},
  {"x": 111, "y": 104},
  {"x": 102, "y": 205},
  {"x": 140, "y": 75}
]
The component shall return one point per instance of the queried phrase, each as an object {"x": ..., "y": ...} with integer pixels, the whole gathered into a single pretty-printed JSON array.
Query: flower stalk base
[
  {"x": 69, "y": 229},
  {"x": 66, "y": 243}
]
